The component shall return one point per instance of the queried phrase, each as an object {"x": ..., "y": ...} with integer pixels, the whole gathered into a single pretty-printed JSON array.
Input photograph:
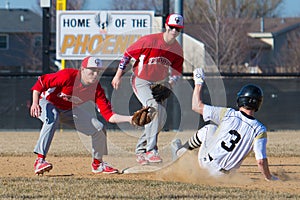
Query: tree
[
  {"x": 156, "y": 5},
  {"x": 223, "y": 25},
  {"x": 230, "y": 9}
]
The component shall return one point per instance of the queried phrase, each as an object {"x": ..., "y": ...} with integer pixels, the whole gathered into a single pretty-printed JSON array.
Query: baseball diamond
[{"x": 71, "y": 163}]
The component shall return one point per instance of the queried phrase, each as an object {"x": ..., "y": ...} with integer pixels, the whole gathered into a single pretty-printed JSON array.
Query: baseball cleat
[
  {"x": 153, "y": 157},
  {"x": 41, "y": 166},
  {"x": 175, "y": 146},
  {"x": 103, "y": 167},
  {"x": 140, "y": 158}
]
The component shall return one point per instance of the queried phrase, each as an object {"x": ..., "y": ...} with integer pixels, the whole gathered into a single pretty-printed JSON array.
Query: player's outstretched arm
[
  {"x": 263, "y": 166},
  {"x": 117, "y": 118},
  {"x": 140, "y": 117},
  {"x": 198, "y": 76}
]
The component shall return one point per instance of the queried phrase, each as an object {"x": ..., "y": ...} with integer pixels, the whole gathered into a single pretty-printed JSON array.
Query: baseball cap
[
  {"x": 175, "y": 20},
  {"x": 90, "y": 62}
]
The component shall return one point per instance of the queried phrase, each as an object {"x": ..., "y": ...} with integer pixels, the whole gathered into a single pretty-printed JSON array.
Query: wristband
[{"x": 124, "y": 62}]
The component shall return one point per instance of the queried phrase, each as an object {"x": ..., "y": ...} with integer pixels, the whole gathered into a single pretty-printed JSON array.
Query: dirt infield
[{"x": 71, "y": 158}]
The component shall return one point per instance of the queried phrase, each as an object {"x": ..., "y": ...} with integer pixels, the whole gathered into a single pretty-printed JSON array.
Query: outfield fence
[{"x": 280, "y": 108}]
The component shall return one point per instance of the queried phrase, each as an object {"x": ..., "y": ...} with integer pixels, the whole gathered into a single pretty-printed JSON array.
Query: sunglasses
[{"x": 176, "y": 28}]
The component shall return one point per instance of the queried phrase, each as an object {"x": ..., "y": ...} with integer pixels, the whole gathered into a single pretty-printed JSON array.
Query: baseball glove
[
  {"x": 143, "y": 116},
  {"x": 161, "y": 91}
]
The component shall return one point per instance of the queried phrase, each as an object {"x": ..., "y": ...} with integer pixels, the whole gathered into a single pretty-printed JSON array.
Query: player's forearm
[
  {"x": 35, "y": 97},
  {"x": 197, "y": 104},
  {"x": 119, "y": 73},
  {"x": 116, "y": 118},
  {"x": 263, "y": 166}
]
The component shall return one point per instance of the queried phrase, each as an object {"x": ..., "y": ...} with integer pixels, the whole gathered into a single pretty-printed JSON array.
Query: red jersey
[
  {"x": 155, "y": 59},
  {"x": 64, "y": 90}
]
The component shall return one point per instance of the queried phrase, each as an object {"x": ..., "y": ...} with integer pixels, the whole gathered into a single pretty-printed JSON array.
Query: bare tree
[
  {"x": 251, "y": 8},
  {"x": 194, "y": 9},
  {"x": 224, "y": 38},
  {"x": 222, "y": 25},
  {"x": 156, "y": 5}
]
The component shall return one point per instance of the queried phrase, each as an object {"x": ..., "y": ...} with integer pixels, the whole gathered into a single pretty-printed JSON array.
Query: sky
[{"x": 290, "y": 8}]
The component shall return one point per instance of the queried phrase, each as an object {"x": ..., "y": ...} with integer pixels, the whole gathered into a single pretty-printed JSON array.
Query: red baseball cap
[
  {"x": 90, "y": 62},
  {"x": 175, "y": 20}
]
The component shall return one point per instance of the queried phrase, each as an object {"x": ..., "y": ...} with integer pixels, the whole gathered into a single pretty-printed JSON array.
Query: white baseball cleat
[
  {"x": 153, "y": 157},
  {"x": 175, "y": 146},
  {"x": 141, "y": 159}
]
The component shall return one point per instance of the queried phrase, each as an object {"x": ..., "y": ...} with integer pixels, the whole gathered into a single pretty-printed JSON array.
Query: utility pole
[
  {"x": 166, "y": 8},
  {"x": 46, "y": 4},
  {"x": 176, "y": 117},
  {"x": 61, "y": 5},
  {"x": 179, "y": 10}
]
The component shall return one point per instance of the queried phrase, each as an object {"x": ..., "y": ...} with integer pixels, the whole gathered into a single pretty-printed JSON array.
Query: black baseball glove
[{"x": 161, "y": 91}]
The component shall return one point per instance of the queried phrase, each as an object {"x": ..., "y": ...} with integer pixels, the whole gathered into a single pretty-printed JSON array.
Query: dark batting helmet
[{"x": 250, "y": 97}]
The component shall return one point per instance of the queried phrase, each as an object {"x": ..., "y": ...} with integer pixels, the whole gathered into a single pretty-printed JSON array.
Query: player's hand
[
  {"x": 116, "y": 82},
  {"x": 35, "y": 110},
  {"x": 199, "y": 76},
  {"x": 273, "y": 178}
]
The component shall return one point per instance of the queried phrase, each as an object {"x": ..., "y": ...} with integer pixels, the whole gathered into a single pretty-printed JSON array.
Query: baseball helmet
[{"x": 250, "y": 96}]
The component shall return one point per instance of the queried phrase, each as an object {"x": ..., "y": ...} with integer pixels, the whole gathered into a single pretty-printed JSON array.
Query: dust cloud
[{"x": 186, "y": 169}]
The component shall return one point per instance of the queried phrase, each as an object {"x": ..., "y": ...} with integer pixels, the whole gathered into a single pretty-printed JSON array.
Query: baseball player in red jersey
[
  {"x": 237, "y": 132},
  {"x": 158, "y": 58},
  {"x": 63, "y": 97}
]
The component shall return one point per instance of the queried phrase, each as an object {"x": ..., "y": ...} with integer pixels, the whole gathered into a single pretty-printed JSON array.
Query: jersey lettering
[{"x": 233, "y": 142}]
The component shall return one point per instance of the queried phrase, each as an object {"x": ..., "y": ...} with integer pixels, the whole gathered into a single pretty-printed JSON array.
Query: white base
[{"x": 140, "y": 169}]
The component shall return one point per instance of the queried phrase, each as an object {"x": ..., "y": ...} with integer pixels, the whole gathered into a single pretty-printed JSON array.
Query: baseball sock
[
  {"x": 97, "y": 161},
  {"x": 40, "y": 156},
  {"x": 193, "y": 142}
]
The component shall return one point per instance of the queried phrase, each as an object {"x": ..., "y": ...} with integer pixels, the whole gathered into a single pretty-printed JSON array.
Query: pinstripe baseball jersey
[{"x": 237, "y": 135}]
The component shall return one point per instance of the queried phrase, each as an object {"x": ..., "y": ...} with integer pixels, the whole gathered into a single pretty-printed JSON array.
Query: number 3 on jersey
[{"x": 232, "y": 142}]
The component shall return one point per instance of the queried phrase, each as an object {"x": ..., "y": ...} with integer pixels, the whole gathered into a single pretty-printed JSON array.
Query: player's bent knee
[{"x": 97, "y": 124}]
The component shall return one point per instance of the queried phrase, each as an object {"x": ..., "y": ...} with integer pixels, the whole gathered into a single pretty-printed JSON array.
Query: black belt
[
  {"x": 209, "y": 122},
  {"x": 210, "y": 158},
  {"x": 222, "y": 169}
]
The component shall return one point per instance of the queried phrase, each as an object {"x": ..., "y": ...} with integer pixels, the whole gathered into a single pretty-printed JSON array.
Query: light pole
[
  {"x": 166, "y": 8},
  {"x": 45, "y": 5}
]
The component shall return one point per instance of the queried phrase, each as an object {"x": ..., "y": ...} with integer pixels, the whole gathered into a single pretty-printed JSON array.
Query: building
[{"x": 20, "y": 41}]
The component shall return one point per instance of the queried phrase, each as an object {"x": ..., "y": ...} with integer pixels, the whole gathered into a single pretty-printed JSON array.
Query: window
[{"x": 3, "y": 41}]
